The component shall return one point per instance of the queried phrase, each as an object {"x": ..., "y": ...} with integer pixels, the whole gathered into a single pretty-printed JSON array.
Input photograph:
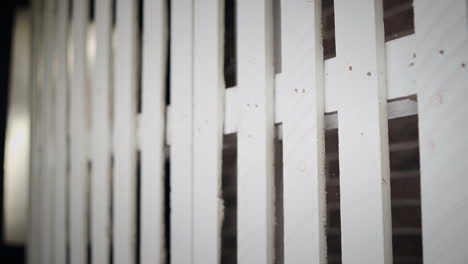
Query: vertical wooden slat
[
  {"x": 61, "y": 176},
  {"x": 153, "y": 131},
  {"x": 255, "y": 132},
  {"x": 33, "y": 254},
  {"x": 48, "y": 173},
  {"x": 78, "y": 137},
  {"x": 101, "y": 135},
  {"x": 208, "y": 108},
  {"x": 303, "y": 132},
  {"x": 363, "y": 133},
  {"x": 442, "y": 75},
  {"x": 181, "y": 131},
  {"x": 124, "y": 194}
]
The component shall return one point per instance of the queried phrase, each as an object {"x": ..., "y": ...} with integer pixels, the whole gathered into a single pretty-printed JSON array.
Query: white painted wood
[
  {"x": 61, "y": 117},
  {"x": 363, "y": 133},
  {"x": 152, "y": 131},
  {"x": 181, "y": 151},
  {"x": 255, "y": 211},
  {"x": 124, "y": 178},
  {"x": 442, "y": 76},
  {"x": 101, "y": 135},
  {"x": 78, "y": 137},
  {"x": 208, "y": 109},
  {"x": 303, "y": 132}
]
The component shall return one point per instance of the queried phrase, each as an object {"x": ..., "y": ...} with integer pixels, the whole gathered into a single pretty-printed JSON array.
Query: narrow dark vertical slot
[
  {"x": 230, "y": 58},
  {"x": 167, "y": 208},
  {"x": 88, "y": 211},
  {"x": 279, "y": 207},
  {"x": 168, "y": 58},
  {"x": 332, "y": 168},
  {"x": 328, "y": 29},
  {"x": 277, "y": 36},
  {"x": 138, "y": 207},
  {"x": 114, "y": 13},
  {"x": 229, "y": 195},
  {"x": 91, "y": 10},
  {"x": 139, "y": 59},
  {"x": 405, "y": 190},
  {"x": 111, "y": 211},
  {"x": 67, "y": 196}
]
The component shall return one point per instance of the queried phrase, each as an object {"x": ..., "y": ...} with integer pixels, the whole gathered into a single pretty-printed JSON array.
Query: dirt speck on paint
[{"x": 350, "y": 68}]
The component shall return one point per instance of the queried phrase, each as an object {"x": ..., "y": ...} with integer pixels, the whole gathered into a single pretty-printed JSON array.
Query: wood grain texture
[
  {"x": 441, "y": 57},
  {"x": 363, "y": 133},
  {"x": 303, "y": 132},
  {"x": 208, "y": 109},
  {"x": 255, "y": 185}
]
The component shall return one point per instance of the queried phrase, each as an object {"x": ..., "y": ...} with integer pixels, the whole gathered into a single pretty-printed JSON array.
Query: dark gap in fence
[
  {"x": 398, "y": 18},
  {"x": 139, "y": 44},
  {"x": 332, "y": 169},
  {"x": 138, "y": 208},
  {"x": 229, "y": 195},
  {"x": 168, "y": 56},
  {"x": 111, "y": 211},
  {"x": 91, "y": 13},
  {"x": 279, "y": 207},
  {"x": 70, "y": 13},
  {"x": 167, "y": 208},
  {"x": 230, "y": 38},
  {"x": 405, "y": 189},
  {"x": 277, "y": 36},
  {"x": 114, "y": 15},
  {"x": 67, "y": 186},
  {"x": 328, "y": 29},
  {"x": 88, "y": 211}
]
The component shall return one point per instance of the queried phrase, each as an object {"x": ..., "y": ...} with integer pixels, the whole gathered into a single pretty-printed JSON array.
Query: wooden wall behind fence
[{"x": 130, "y": 109}]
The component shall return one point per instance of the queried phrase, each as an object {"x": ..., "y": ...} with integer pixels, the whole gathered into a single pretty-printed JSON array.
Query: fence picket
[
  {"x": 441, "y": 58},
  {"x": 363, "y": 133},
  {"x": 60, "y": 115},
  {"x": 101, "y": 136},
  {"x": 153, "y": 131},
  {"x": 255, "y": 132},
  {"x": 79, "y": 137},
  {"x": 303, "y": 132},
  {"x": 208, "y": 108},
  {"x": 181, "y": 155}
]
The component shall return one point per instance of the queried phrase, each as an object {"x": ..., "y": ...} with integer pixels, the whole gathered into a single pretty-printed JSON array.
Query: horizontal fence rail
[{"x": 132, "y": 102}]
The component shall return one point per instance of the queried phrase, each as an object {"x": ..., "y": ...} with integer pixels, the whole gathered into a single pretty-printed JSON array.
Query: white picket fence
[{"x": 86, "y": 129}]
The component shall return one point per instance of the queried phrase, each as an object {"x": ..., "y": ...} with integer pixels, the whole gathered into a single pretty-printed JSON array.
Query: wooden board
[
  {"x": 208, "y": 109},
  {"x": 255, "y": 132},
  {"x": 152, "y": 131},
  {"x": 124, "y": 178},
  {"x": 303, "y": 132},
  {"x": 363, "y": 133},
  {"x": 78, "y": 137},
  {"x": 442, "y": 76},
  {"x": 181, "y": 155},
  {"x": 60, "y": 115},
  {"x": 101, "y": 135}
]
